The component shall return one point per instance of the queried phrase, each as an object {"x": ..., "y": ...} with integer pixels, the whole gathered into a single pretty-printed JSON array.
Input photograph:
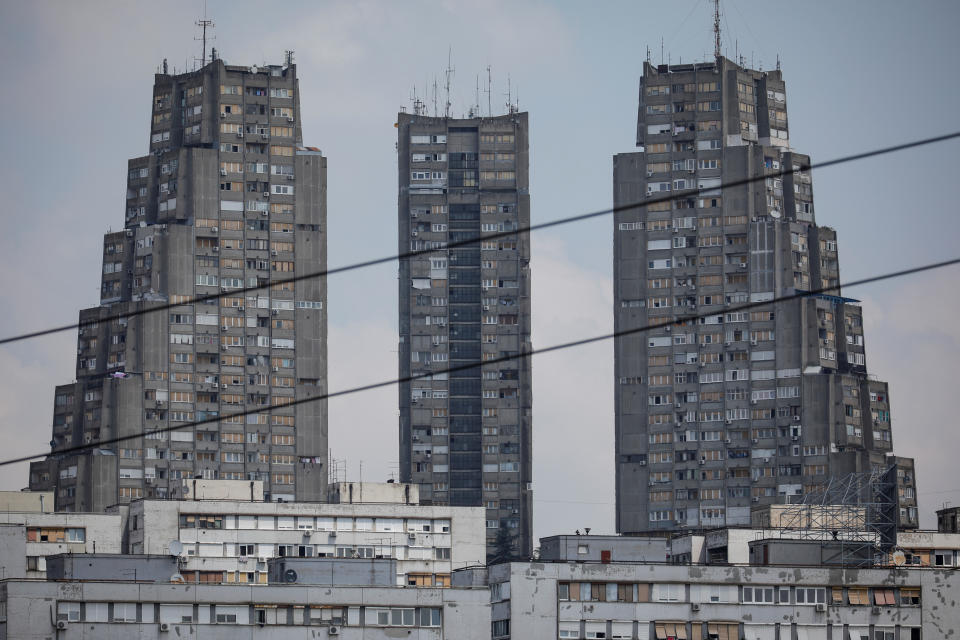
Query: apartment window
[
  {"x": 758, "y": 595},
  {"x": 69, "y": 611},
  {"x": 812, "y": 595}
]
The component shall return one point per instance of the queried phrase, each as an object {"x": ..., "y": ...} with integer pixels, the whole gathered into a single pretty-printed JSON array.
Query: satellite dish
[
  {"x": 774, "y": 214},
  {"x": 175, "y": 548},
  {"x": 899, "y": 558},
  {"x": 177, "y": 578},
  {"x": 253, "y": 69},
  {"x": 290, "y": 575}
]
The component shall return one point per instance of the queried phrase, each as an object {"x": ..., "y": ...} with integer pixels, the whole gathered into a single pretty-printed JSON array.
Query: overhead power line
[
  {"x": 491, "y": 236},
  {"x": 507, "y": 358}
]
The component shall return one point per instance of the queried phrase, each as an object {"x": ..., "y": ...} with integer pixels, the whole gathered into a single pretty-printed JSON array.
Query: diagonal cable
[
  {"x": 507, "y": 358},
  {"x": 492, "y": 236}
]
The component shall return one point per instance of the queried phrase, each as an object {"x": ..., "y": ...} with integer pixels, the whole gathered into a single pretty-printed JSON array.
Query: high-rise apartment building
[
  {"x": 731, "y": 409},
  {"x": 465, "y": 437},
  {"x": 227, "y": 199}
]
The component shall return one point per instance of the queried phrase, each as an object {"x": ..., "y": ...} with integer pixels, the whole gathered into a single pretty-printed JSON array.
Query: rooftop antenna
[
  {"x": 716, "y": 29},
  {"x": 165, "y": 69},
  {"x": 449, "y": 74},
  {"x": 509, "y": 96},
  {"x": 661, "y": 49},
  {"x": 434, "y": 96},
  {"x": 203, "y": 24},
  {"x": 778, "y": 62},
  {"x": 475, "y": 108},
  {"x": 288, "y": 54},
  {"x": 648, "y": 54},
  {"x": 489, "y": 83}
]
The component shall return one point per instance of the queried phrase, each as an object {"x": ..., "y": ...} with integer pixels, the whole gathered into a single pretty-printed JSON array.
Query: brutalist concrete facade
[
  {"x": 38, "y": 610},
  {"x": 465, "y": 437},
  {"x": 227, "y": 198},
  {"x": 727, "y": 410},
  {"x": 546, "y": 600}
]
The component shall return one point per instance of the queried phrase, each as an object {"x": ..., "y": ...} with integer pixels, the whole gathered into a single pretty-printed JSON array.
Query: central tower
[{"x": 465, "y": 436}]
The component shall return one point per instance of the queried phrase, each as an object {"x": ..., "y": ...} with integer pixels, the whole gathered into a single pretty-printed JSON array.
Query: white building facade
[
  {"x": 34, "y": 610},
  {"x": 231, "y": 541},
  {"x": 28, "y": 538},
  {"x": 625, "y": 601}
]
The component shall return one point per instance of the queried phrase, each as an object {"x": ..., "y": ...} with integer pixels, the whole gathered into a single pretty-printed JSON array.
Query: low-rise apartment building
[
  {"x": 35, "y": 610},
  {"x": 232, "y": 541},
  {"x": 633, "y": 601},
  {"x": 28, "y": 538}
]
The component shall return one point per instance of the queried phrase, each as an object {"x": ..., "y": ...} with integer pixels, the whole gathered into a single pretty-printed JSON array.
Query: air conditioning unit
[
  {"x": 753, "y": 402},
  {"x": 223, "y": 172},
  {"x": 703, "y": 461},
  {"x": 413, "y": 233},
  {"x": 412, "y": 536},
  {"x": 290, "y": 176},
  {"x": 273, "y": 252},
  {"x": 274, "y": 312},
  {"x": 795, "y": 438},
  {"x": 694, "y": 606},
  {"x": 266, "y": 194},
  {"x": 726, "y": 344},
  {"x": 164, "y": 626},
  {"x": 753, "y": 341},
  {"x": 239, "y": 134},
  {"x": 766, "y": 459},
  {"x": 290, "y": 119},
  {"x": 240, "y": 308},
  {"x": 62, "y": 624},
  {"x": 642, "y": 463},
  {"x": 875, "y": 611},
  {"x": 796, "y": 418},
  {"x": 754, "y": 499},
  {"x": 755, "y": 440},
  {"x": 265, "y": 136},
  {"x": 223, "y": 386},
  {"x": 216, "y": 249},
  {"x": 275, "y": 369},
  {"x": 728, "y": 441},
  {"x": 215, "y": 229},
  {"x": 264, "y": 213},
  {"x": 728, "y": 421},
  {"x": 486, "y": 307},
  {"x": 821, "y": 607},
  {"x": 333, "y": 630},
  {"x": 223, "y": 114}
]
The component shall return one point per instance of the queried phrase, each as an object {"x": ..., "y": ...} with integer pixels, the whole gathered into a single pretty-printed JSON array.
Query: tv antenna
[
  {"x": 418, "y": 106},
  {"x": 434, "y": 96},
  {"x": 449, "y": 75},
  {"x": 203, "y": 24},
  {"x": 489, "y": 83},
  {"x": 716, "y": 29}
]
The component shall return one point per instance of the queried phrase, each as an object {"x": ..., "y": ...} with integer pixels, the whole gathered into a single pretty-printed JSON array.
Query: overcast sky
[{"x": 860, "y": 75}]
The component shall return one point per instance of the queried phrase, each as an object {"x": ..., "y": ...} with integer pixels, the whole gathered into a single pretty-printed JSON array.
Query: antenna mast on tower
[
  {"x": 203, "y": 24},
  {"x": 489, "y": 81},
  {"x": 449, "y": 73},
  {"x": 716, "y": 29}
]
